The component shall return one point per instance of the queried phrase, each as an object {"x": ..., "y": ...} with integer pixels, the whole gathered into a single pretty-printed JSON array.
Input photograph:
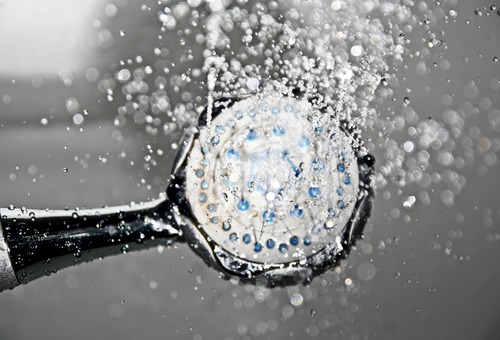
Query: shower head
[{"x": 265, "y": 187}]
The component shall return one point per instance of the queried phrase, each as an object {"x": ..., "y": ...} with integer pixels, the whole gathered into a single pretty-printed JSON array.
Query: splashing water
[
  {"x": 418, "y": 81},
  {"x": 380, "y": 65},
  {"x": 336, "y": 54},
  {"x": 348, "y": 57}
]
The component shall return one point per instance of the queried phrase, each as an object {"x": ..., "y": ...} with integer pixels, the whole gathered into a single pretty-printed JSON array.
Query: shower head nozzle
[{"x": 265, "y": 186}]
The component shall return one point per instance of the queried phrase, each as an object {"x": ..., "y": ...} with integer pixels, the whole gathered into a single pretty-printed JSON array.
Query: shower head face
[{"x": 268, "y": 187}]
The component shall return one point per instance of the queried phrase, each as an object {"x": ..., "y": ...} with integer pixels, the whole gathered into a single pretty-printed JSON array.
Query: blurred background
[{"x": 424, "y": 270}]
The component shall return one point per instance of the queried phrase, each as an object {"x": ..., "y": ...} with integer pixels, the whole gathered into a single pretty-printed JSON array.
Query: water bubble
[
  {"x": 336, "y": 5},
  {"x": 287, "y": 311},
  {"x": 180, "y": 10},
  {"x": 243, "y": 205},
  {"x": 471, "y": 90},
  {"x": 313, "y": 330},
  {"x": 153, "y": 285},
  {"x": 123, "y": 75},
  {"x": 421, "y": 68},
  {"x": 92, "y": 74},
  {"x": 78, "y": 119},
  {"x": 242, "y": 329},
  {"x": 32, "y": 170},
  {"x": 194, "y": 3},
  {"x": 366, "y": 271},
  {"x": 217, "y": 5},
  {"x": 72, "y": 105},
  {"x": 409, "y": 146},
  {"x": 252, "y": 84},
  {"x": 409, "y": 202},
  {"x": 168, "y": 21},
  {"x": 296, "y": 299},
  {"x": 447, "y": 198},
  {"x": 357, "y": 50},
  {"x": 110, "y": 10}
]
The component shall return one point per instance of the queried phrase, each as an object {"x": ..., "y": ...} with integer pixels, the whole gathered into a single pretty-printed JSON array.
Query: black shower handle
[{"x": 36, "y": 243}]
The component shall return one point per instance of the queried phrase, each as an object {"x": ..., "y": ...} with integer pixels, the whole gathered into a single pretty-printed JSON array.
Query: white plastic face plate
[{"x": 270, "y": 186}]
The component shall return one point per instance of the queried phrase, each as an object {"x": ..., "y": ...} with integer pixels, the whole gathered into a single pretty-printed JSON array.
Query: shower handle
[{"x": 36, "y": 243}]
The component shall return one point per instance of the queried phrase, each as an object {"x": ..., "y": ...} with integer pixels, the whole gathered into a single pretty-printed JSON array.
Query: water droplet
[
  {"x": 296, "y": 299},
  {"x": 243, "y": 205},
  {"x": 268, "y": 216},
  {"x": 252, "y": 135},
  {"x": 304, "y": 142},
  {"x": 247, "y": 238},
  {"x": 357, "y": 50},
  {"x": 252, "y": 84},
  {"x": 278, "y": 130},
  {"x": 232, "y": 155},
  {"x": 214, "y": 140},
  {"x": 336, "y": 5},
  {"x": 72, "y": 105},
  {"x": 226, "y": 226},
  {"x": 409, "y": 202},
  {"x": 270, "y": 244},
  {"x": 296, "y": 211},
  {"x": 202, "y": 198},
  {"x": 123, "y": 75},
  {"x": 366, "y": 271},
  {"x": 307, "y": 241},
  {"x": 314, "y": 192},
  {"x": 283, "y": 248}
]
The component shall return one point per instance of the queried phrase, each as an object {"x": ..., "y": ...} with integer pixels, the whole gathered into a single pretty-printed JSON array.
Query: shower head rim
[{"x": 276, "y": 273}]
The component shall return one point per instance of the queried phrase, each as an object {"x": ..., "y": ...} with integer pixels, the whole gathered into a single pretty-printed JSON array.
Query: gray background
[{"x": 436, "y": 274}]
